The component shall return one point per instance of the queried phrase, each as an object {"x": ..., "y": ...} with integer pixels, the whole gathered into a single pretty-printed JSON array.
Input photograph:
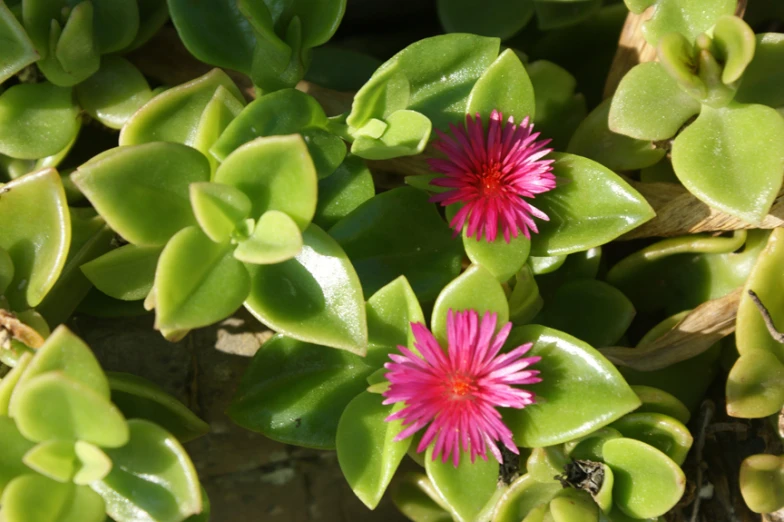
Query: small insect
[{"x": 583, "y": 474}]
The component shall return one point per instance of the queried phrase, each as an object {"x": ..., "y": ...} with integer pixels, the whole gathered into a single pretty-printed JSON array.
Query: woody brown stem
[{"x": 774, "y": 332}]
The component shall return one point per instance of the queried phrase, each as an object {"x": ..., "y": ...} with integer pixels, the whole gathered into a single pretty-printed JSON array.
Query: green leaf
[
  {"x": 755, "y": 385},
  {"x": 114, "y": 93},
  {"x": 557, "y": 14},
  {"x": 390, "y": 313},
  {"x": 53, "y": 406},
  {"x": 218, "y": 208},
  {"x": 387, "y": 91},
  {"x": 589, "y": 447},
  {"x": 326, "y": 149},
  {"x": 416, "y": 498},
  {"x": 558, "y": 109},
  {"x": 466, "y": 488},
  {"x": 594, "y": 140},
  {"x": 399, "y": 232},
  {"x": 94, "y": 464},
  {"x": 275, "y": 239},
  {"x": 475, "y": 289},
  {"x": 716, "y": 164},
  {"x": 315, "y": 297},
  {"x": 593, "y": 311},
  {"x": 175, "y": 115},
  {"x": 152, "y": 478},
  {"x": 567, "y": 408},
  {"x": 661, "y": 431},
  {"x": 647, "y": 482},
  {"x": 295, "y": 392},
  {"x": 688, "y": 17},
  {"x": 64, "y": 353},
  {"x": 500, "y": 258},
  {"x": 574, "y": 505},
  {"x": 73, "y": 54},
  {"x": 8, "y": 384},
  {"x": 15, "y": 446},
  {"x": 659, "y": 401},
  {"x": 544, "y": 464},
  {"x": 405, "y": 134},
  {"x": 36, "y": 235},
  {"x": 37, "y": 120},
  {"x": 523, "y": 495},
  {"x": 367, "y": 453},
  {"x": 590, "y": 206},
  {"x": 142, "y": 191},
  {"x": 762, "y": 483},
  {"x": 55, "y": 459},
  {"x": 6, "y": 271},
  {"x": 35, "y": 498},
  {"x": 198, "y": 282},
  {"x": 126, "y": 273},
  {"x": 276, "y": 173},
  {"x": 505, "y": 87},
  {"x": 734, "y": 41},
  {"x": 764, "y": 74},
  {"x": 17, "y": 50},
  {"x": 139, "y": 398},
  {"x": 649, "y": 104},
  {"x": 499, "y": 18},
  {"x": 343, "y": 191}
]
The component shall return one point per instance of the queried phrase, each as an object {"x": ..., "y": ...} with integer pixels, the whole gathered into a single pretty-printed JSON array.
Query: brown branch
[
  {"x": 10, "y": 324},
  {"x": 774, "y": 332},
  {"x": 699, "y": 330},
  {"x": 632, "y": 50}
]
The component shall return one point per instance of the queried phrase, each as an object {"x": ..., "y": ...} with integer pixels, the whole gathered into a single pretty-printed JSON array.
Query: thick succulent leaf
[
  {"x": 659, "y": 401},
  {"x": 15, "y": 446},
  {"x": 197, "y": 282},
  {"x": 649, "y": 104},
  {"x": 390, "y": 313},
  {"x": 416, "y": 498},
  {"x": 405, "y": 133},
  {"x": 276, "y": 173},
  {"x": 567, "y": 408},
  {"x": 661, "y": 431},
  {"x": 6, "y": 270},
  {"x": 138, "y": 398},
  {"x": 125, "y": 273},
  {"x": 647, "y": 483},
  {"x": 475, "y": 289},
  {"x": 276, "y": 238},
  {"x": 55, "y": 459},
  {"x": 558, "y": 14},
  {"x": 688, "y": 17},
  {"x": 367, "y": 452},
  {"x": 523, "y": 495},
  {"x": 765, "y": 73},
  {"x": 343, "y": 191},
  {"x": 502, "y": 259},
  {"x": 17, "y": 51},
  {"x": 399, "y": 232},
  {"x": 574, "y": 505},
  {"x": 755, "y": 385},
  {"x": 315, "y": 297},
  {"x": 152, "y": 478},
  {"x": 590, "y": 206},
  {"x": 114, "y": 93},
  {"x": 505, "y": 87},
  {"x": 93, "y": 464},
  {"x": 36, "y": 235},
  {"x": 73, "y": 53},
  {"x": 589, "y": 447},
  {"x": 762, "y": 483},
  {"x": 37, "y": 120},
  {"x": 142, "y": 191},
  {"x": 53, "y": 406},
  {"x": 9, "y": 381},
  {"x": 218, "y": 208},
  {"x": 295, "y": 392},
  {"x": 499, "y": 18},
  {"x": 558, "y": 109},
  {"x": 36, "y": 498}
]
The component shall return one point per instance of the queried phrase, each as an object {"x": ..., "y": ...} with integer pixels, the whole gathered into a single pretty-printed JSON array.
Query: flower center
[
  {"x": 490, "y": 182},
  {"x": 459, "y": 386}
]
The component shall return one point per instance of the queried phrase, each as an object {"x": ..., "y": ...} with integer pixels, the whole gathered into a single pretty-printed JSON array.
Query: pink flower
[
  {"x": 458, "y": 390},
  {"x": 491, "y": 178}
]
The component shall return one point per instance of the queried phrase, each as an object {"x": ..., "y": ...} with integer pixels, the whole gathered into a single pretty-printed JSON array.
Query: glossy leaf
[
  {"x": 218, "y": 208},
  {"x": 94, "y": 464},
  {"x": 573, "y": 505},
  {"x": 688, "y": 17},
  {"x": 594, "y": 140},
  {"x": 73, "y": 53},
  {"x": 405, "y": 133},
  {"x": 647, "y": 482},
  {"x": 475, "y": 289},
  {"x": 15, "y": 446},
  {"x": 713, "y": 161},
  {"x": 36, "y": 234},
  {"x": 590, "y": 206},
  {"x": 559, "y": 110},
  {"x": 276, "y": 173},
  {"x": 755, "y": 385},
  {"x": 416, "y": 498},
  {"x": 502, "y": 259},
  {"x": 567, "y": 408},
  {"x": 175, "y": 114},
  {"x": 17, "y": 50},
  {"x": 315, "y": 297},
  {"x": 589, "y": 447},
  {"x": 661, "y": 431},
  {"x": 764, "y": 73},
  {"x": 295, "y": 392},
  {"x": 659, "y": 401},
  {"x": 125, "y": 273},
  {"x": 505, "y": 87},
  {"x": 55, "y": 459},
  {"x": 390, "y": 313},
  {"x": 142, "y": 191},
  {"x": 500, "y": 18},
  {"x": 343, "y": 191},
  {"x": 387, "y": 91},
  {"x": 367, "y": 453},
  {"x": 762, "y": 483},
  {"x": 276, "y": 238},
  {"x": 467, "y": 487},
  {"x": 37, "y": 120},
  {"x": 138, "y": 398},
  {"x": 152, "y": 478},
  {"x": 649, "y": 104},
  {"x": 6, "y": 271},
  {"x": 399, "y": 232},
  {"x": 524, "y": 495},
  {"x": 197, "y": 282},
  {"x": 53, "y": 406},
  {"x": 544, "y": 464},
  {"x": 590, "y": 310},
  {"x": 8, "y": 384},
  {"x": 35, "y": 498}
]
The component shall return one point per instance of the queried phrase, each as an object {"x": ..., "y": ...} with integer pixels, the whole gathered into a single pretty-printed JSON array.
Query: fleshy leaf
[
  {"x": 17, "y": 50},
  {"x": 343, "y": 191},
  {"x": 505, "y": 87},
  {"x": 198, "y": 282},
  {"x": 142, "y": 191},
  {"x": 152, "y": 478},
  {"x": 416, "y": 498},
  {"x": 35, "y": 498},
  {"x": 125, "y": 273},
  {"x": 731, "y": 174},
  {"x": 764, "y": 74},
  {"x": 659, "y": 401},
  {"x": 295, "y": 392},
  {"x": 590, "y": 206},
  {"x": 390, "y": 312},
  {"x": 502, "y": 259},
  {"x": 688, "y": 17},
  {"x": 658, "y": 430},
  {"x": 315, "y": 297},
  {"x": 499, "y": 18},
  {"x": 218, "y": 208},
  {"x": 367, "y": 453},
  {"x": 399, "y": 232},
  {"x": 649, "y": 104},
  {"x": 574, "y": 505},
  {"x": 139, "y": 398},
  {"x": 762, "y": 483},
  {"x": 755, "y": 385},
  {"x": 566, "y": 408},
  {"x": 15, "y": 446},
  {"x": 404, "y": 133},
  {"x": 523, "y": 495},
  {"x": 94, "y": 464},
  {"x": 36, "y": 235},
  {"x": 55, "y": 459},
  {"x": 276, "y": 238}
]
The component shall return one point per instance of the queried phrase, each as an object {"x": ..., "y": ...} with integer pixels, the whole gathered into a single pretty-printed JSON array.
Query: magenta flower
[
  {"x": 457, "y": 390},
  {"x": 491, "y": 178}
]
